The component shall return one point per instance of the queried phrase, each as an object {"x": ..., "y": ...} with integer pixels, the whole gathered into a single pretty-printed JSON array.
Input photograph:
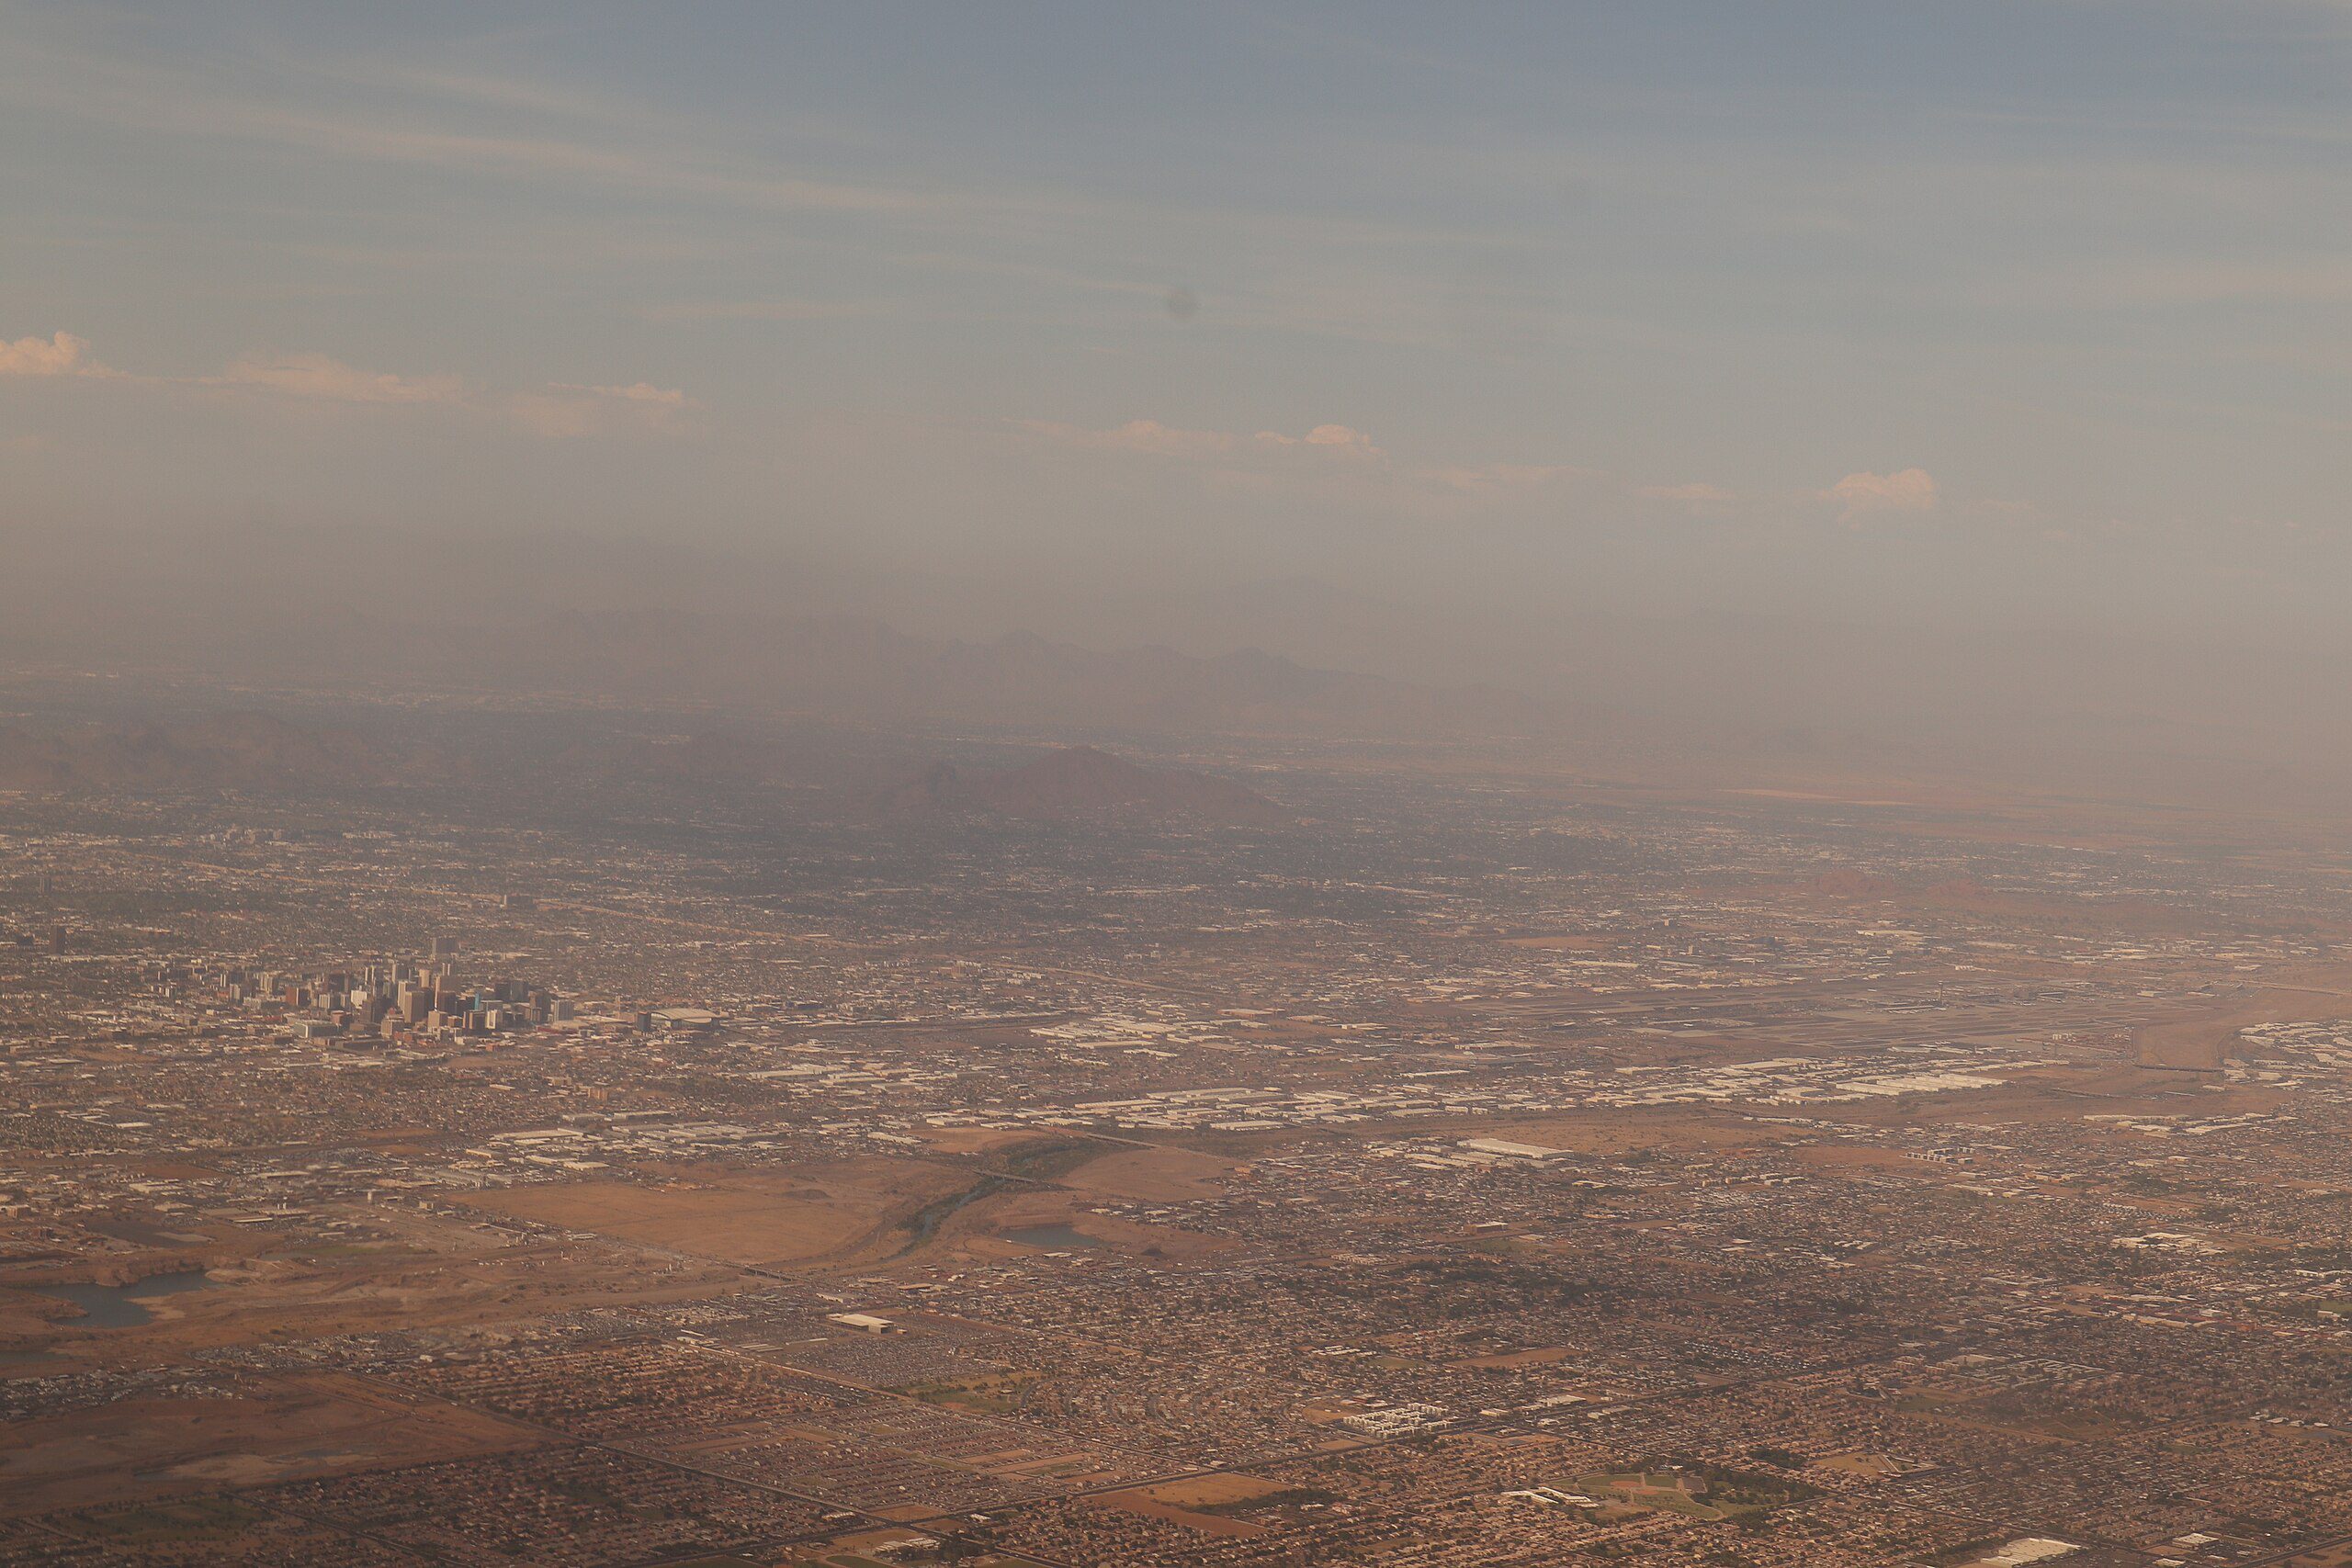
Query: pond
[{"x": 117, "y": 1306}]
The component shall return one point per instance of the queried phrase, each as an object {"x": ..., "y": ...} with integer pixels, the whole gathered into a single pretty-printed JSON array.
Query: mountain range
[
  {"x": 235, "y": 750},
  {"x": 1081, "y": 782},
  {"x": 857, "y": 668}
]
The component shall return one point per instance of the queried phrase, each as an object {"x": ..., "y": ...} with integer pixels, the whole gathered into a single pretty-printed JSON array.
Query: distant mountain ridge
[
  {"x": 1082, "y": 782},
  {"x": 224, "y": 750},
  {"x": 855, "y": 666}
]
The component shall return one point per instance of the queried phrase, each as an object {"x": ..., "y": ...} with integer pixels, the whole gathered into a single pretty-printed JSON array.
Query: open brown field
[
  {"x": 1182, "y": 1501},
  {"x": 1166, "y": 1175},
  {"x": 433, "y": 1271},
  {"x": 2201, "y": 1042},
  {"x": 286, "y": 1427},
  {"x": 762, "y": 1219}
]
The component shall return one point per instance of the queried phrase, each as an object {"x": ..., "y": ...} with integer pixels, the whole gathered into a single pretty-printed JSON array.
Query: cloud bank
[
  {"x": 558, "y": 410},
  {"x": 1860, "y": 495},
  {"x": 62, "y": 354}
]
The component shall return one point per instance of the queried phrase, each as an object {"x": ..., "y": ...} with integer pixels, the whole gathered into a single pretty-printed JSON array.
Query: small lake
[
  {"x": 1057, "y": 1239},
  {"x": 117, "y": 1306}
]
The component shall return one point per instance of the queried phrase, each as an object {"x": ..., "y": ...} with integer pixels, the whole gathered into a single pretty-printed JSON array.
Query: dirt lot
[
  {"x": 435, "y": 1271},
  {"x": 2201, "y": 1042},
  {"x": 290, "y": 1427},
  {"x": 1178, "y": 1502},
  {"x": 764, "y": 1220},
  {"x": 1152, "y": 1176}
]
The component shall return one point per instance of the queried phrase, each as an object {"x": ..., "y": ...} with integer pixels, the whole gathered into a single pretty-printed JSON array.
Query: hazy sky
[{"x": 2036, "y": 310}]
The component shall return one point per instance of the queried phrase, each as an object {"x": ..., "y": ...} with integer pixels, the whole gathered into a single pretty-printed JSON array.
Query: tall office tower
[{"x": 444, "y": 947}]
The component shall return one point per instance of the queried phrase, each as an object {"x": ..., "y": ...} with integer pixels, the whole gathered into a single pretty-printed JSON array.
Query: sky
[{"x": 1998, "y": 317}]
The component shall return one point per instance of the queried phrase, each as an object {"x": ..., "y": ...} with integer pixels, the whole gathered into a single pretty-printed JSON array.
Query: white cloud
[
  {"x": 559, "y": 411},
  {"x": 1148, "y": 435},
  {"x": 567, "y": 411},
  {"x": 1335, "y": 438},
  {"x": 60, "y": 355},
  {"x": 635, "y": 392},
  {"x": 318, "y": 376},
  {"x": 314, "y": 376},
  {"x": 1907, "y": 489},
  {"x": 1330, "y": 459}
]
